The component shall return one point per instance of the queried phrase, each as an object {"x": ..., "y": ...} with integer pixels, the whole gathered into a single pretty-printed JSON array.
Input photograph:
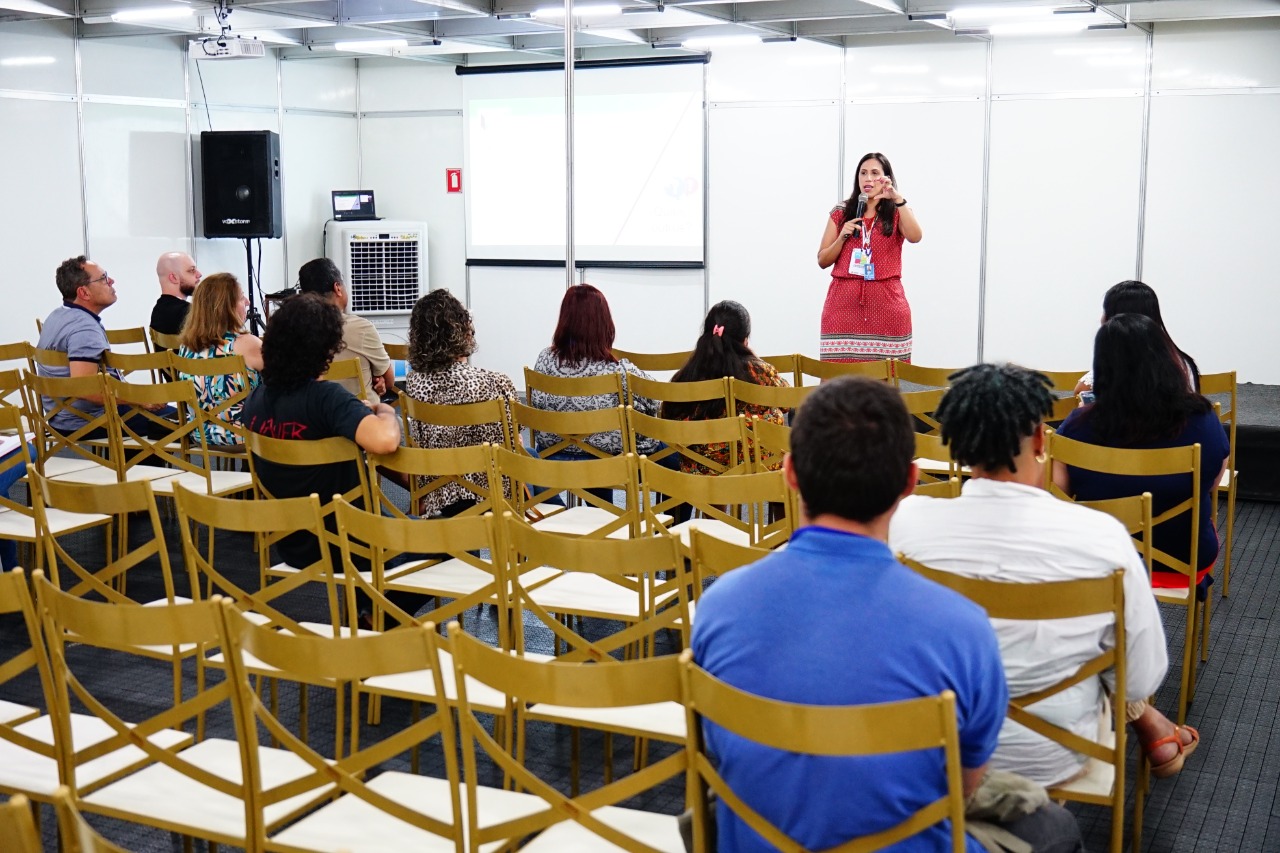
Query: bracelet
[{"x": 900, "y": 203}]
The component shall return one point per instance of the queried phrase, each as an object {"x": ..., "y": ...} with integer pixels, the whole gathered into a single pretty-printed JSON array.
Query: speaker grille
[{"x": 384, "y": 272}]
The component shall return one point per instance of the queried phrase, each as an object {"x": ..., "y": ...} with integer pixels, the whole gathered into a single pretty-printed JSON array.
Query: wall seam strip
[
  {"x": 284, "y": 241},
  {"x": 185, "y": 57},
  {"x": 986, "y": 198},
  {"x": 84, "y": 178},
  {"x": 1142, "y": 159}
]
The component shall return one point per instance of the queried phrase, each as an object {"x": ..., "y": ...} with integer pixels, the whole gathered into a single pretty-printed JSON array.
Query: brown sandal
[{"x": 1173, "y": 765}]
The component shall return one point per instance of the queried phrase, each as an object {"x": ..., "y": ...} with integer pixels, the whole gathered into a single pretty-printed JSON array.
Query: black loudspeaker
[{"x": 240, "y": 183}]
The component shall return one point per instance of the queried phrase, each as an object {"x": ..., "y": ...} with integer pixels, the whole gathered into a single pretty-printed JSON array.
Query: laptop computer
[{"x": 353, "y": 205}]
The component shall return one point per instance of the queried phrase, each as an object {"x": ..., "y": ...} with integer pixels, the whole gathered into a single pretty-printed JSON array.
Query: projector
[{"x": 227, "y": 47}]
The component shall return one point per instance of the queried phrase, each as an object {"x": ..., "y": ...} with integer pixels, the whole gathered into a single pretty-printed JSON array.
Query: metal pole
[
  {"x": 1142, "y": 168},
  {"x": 568, "y": 143},
  {"x": 986, "y": 197}
]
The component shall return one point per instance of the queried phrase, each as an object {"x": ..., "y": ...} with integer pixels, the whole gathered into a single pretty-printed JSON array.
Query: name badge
[{"x": 860, "y": 263}]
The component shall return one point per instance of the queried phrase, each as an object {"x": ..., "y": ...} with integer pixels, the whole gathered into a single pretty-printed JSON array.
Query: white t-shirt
[{"x": 1021, "y": 534}]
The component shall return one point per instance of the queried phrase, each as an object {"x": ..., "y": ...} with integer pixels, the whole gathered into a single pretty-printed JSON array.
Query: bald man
[{"x": 178, "y": 279}]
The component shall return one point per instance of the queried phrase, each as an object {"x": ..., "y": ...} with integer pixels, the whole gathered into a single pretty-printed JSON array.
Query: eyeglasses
[{"x": 102, "y": 278}]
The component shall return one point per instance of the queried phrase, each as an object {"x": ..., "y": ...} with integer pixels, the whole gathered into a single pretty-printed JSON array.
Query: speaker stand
[{"x": 255, "y": 318}]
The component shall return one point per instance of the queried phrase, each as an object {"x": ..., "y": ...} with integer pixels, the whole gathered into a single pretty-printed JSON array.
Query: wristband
[{"x": 900, "y": 203}]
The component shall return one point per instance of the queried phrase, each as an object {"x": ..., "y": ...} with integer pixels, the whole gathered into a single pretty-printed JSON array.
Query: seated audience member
[
  {"x": 292, "y": 403},
  {"x": 1005, "y": 527},
  {"x": 1134, "y": 297},
  {"x": 360, "y": 338},
  {"x": 75, "y": 328},
  {"x": 441, "y": 338},
  {"x": 178, "y": 277},
  {"x": 1142, "y": 401},
  {"x": 723, "y": 350},
  {"x": 9, "y": 547},
  {"x": 215, "y": 328},
  {"x": 582, "y": 345},
  {"x": 855, "y": 627}
]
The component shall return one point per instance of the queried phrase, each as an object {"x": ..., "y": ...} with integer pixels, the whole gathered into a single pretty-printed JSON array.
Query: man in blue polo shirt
[
  {"x": 834, "y": 619},
  {"x": 75, "y": 328}
]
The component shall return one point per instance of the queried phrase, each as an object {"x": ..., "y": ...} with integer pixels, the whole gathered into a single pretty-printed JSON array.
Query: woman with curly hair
[
  {"x": 214, "y": 328},
  {"x": 441, "y": 339}
]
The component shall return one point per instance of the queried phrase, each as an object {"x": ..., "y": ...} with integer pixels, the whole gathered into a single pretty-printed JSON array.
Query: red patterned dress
[{"x": 867, "y": 320}]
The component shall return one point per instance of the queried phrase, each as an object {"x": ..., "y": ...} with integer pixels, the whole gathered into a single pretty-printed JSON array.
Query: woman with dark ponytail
[
  {"x": 722, "y": 350},
  {"x": 1134, "y": 297}
]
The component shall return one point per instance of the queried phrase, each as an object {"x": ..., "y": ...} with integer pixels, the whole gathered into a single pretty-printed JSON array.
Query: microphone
[{"x": 862, "y": 205}]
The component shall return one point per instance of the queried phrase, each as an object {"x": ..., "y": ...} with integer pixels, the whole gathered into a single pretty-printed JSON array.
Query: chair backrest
[
  {"x": 74, "y": 832},
  {"x": 569, "y": 430},
  {"x": 124, "y": 337},
  {"x": 934, "y": 457},
  {"x": 651, "y": 362},
  {"x": 624, "y": 571},
  {"x": 429, "y": 470},
  {"x": 1215, "y": 384},
  {"x": 11, "y": 435},
  {"x": 928, "y": 722},
  {"x": 279, "y": 518},
  {"x": 711, "y": 556},
  {"x": 691, "y": 441},
  {"x": 766, "y": 396},
  {"x": 344, "y": 660},
  {"x": 769, "y": 443},
  {"x": 19, "y": 659},
  {"x": 225, "y": 413},
  {"x": 1134, "y": 512},
  {"x": 1036, "y": 602},
  {"x": 787, "y": 365},
  {"x": 1140, "y": 463},
  {"x": 115, "y": 501},
  {"x": 741, "y": 504},
  {"x": 164, "y": 341},
  {"x": 535, "y": 482},
  {"x": 921, "y": 405},
  {"x": 1063, "y": 381},
  {"x": 50, "y": 357},
  {"x": 618, "y": 685},
  {"x": 19, "y": 351},
  {"x": 937, "y": 377},
  {"x": 396, "y": 351},
  {"x": 458, "y": 542},
  {"x": 807, "y": 366},
  {"x": 13, "y": 391},
  {"x": 572, "y": 386},
  {"x": 124, "y": 630},
  {"x": 939, "y": 488},
  {"x": 154, "y": 364},
  {"x": 60, "y": 394},
  {"x": 146, "y": 437},
  {"x": 487, "y": 412},
  {"x": 324, "y": 451},
  {"x": 347, "y": 372},
  {"x": 18, "y": 833},
  {"x": 704, "y": 390}
]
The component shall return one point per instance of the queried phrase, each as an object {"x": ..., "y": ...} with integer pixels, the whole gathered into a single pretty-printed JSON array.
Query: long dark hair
[
  {"x": 884, "y": 212},
  {"x": 1134, "y": 297},
  {"x": 585, "y": 330},
  {"x": 721, "y": 350},
  {"x": 1142, "y": 396}
]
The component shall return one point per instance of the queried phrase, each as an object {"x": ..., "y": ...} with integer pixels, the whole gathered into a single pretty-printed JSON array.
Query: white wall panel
[
  {"x": 1063, "y": 224},
  {"x": 515, "y": 312},
  {"x": 789, "y": 71},
  {"x": 1214, "y": 265},
  {"x": 403, "y": 162},
  {"x": 396, "y": 85},
  {"x": 1093, "y": 61},
  {"x": 48, "y": 43},
  {"x": 136, "y": 174},
  {"x": 319, "y": 84},
  {"x": 37, "y": 237},
  {"x": 771, "y": 184},
  {"x": 1217, "y": 55},
  {"x": 653, "y": 310},
  {"x": 926, "y": 70},
  {"x": 943, "y": 183},
  {"x": 134, "y": 67},
  {"x": 246, "y": 82},
  {"x": 318, "y": 155}
]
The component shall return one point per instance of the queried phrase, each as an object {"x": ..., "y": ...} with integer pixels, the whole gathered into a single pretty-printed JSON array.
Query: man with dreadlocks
[{"x": 1005, "y": 527}]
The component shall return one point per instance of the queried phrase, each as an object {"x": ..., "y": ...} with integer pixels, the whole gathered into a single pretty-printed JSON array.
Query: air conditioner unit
[{"x": 383, "y": 263}]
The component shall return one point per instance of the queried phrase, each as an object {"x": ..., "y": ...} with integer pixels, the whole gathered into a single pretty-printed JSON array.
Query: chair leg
[
  {"x": 1204, "y": 626},
  {"x": 1139, "y": 800},
  {"x": 1231, "y": 523},
  {"x": 1188, "y": 662}
]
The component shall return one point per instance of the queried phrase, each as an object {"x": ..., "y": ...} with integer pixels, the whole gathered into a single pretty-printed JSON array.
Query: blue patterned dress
[{"x": 211, "y": 391}]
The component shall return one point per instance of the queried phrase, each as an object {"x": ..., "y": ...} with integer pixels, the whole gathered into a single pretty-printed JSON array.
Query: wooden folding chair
[
  {"x": 550, "y": 820},
  {"x": 742, "y": 509},
  {"x": 392, "y": 811},
  {"x": 710, "y": 557},
  {"x": 568, "y": 431},
  {"x": 691, "y": 441},
  {"x": 396, "y": 351},
  {"x": 1102, "y": 782},
  {"x": 702, "y": 391},
  {"x": 18, "y": 832},
  {"x": 154, "y": 365},
  {"x": 1225, "y": 384},
  {"x": 769, "y": 442},
  {"x": 168, "y": 782},
  {"x": 430, "y": 470},
  {"x": 939, "y": 489},
  {"x": 820, "y": 730},
  {"x": 1155, "y": 463},
  {"x": 74, "y": 833},
  {"x": 652, "y": 362},
  {"x": 748, "y": 394},
  {"x": 137, "y": 335},
  {"x": 538, "y": 385},
  {"x": 163, "y": 341},
  {"x": 933, "y": 458},
  {"x": 921, "y": 405},
  {"x": 230, "y": 370},
  {"x": 787, "y": 365},
  {"x": 807, "y": 367},
  {"x": 535, "y": 483},
  {"x": 346, "y": 371},
  {"x": 456, "y": 424},
  {"x": 915, "y": 374},
  {"x": 85, "y": 453}
]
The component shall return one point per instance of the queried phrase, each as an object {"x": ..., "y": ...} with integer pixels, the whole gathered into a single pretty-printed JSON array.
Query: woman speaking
[{"x": 866, "y": 316}]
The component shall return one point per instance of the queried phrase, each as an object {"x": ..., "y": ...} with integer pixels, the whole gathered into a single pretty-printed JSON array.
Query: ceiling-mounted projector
[{"x": 227, "y": 47}]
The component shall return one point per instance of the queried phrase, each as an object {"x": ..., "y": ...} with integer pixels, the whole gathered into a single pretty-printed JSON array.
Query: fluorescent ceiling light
[
  {"x": 589, "y": 10},
  {"x": 696, "y": 42},
  {"x": 153, "y": 13},
  {"x": 372, "y": 44},
  {"x": 22, "y": 61},
  {"x": 1046, "y": 27},
  {"x": 968, "y": 14}
]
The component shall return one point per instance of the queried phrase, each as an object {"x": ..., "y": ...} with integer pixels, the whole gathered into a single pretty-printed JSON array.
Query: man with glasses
[{"x": 75, "y": 328}]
